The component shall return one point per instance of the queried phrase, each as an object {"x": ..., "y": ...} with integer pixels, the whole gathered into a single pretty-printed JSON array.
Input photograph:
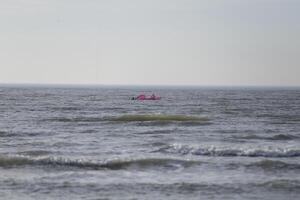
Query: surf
[
  {"x": 113, "y": 164},
  {"x": 228, "y": 151}
]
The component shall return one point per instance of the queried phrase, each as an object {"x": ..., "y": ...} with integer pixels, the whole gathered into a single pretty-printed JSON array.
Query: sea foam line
[{"x": 230, "y": 151}]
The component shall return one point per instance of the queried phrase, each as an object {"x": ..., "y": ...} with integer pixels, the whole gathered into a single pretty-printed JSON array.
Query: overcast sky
[{"x": 161, "y": 42}]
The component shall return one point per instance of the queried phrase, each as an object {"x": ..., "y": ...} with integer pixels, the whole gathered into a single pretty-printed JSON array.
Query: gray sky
[{"x": 180, "y": 42}]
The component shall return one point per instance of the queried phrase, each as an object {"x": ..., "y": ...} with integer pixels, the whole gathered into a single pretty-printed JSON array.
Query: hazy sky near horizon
[{"x": 161, "y": 42}]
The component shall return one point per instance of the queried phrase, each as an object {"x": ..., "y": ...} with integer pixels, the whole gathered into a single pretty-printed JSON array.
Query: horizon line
[{"x": 79, "y": 85}]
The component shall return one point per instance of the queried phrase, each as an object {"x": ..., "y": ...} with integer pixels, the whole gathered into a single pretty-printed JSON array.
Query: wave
[
  {"x": 276, "y": 185},
  {"x": 137, "y": 118},
  {"x": 118, "y": 164},
  {"x": 159, "y": 119},
  {"x": 275, "y": 137},
  {"x": 274, "y": 165},
  {"x": 35, "y": 153},
  {"x": 281, "y": 185},
  {"x": 125, "y": 164},
  {"x": 229, "y": 151},
  {"x": 141, "y": 118},
  {"x": 20, "y": 134},
  {"x": 280, "y": 188},
  {"x": 283, "y": 137},
  {"x": 5, "y": 134},
  {"x": 153, "y": 132},
  {"x": 281, "y": 119},
  {"x": 66, "y": 108},
  {"x": 76, "y": 119}
]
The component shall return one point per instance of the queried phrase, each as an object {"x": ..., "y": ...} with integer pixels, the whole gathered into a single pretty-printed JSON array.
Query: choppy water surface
[{"x": 195, "y": 143}]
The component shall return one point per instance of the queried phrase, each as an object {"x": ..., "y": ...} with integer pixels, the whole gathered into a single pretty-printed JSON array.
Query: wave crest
[
  {"x": 141, "y": 118},
  {"x": 136, "y": 118},
  {"x": 229, "y": 151},
  {"x": 118, "y": 164},
  {"x": 275, "y": 137},
  {"x": 274, "y": 165}
]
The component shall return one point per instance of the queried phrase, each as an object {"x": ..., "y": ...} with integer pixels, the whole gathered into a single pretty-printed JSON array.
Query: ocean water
[{"x": 195, "y": 143}]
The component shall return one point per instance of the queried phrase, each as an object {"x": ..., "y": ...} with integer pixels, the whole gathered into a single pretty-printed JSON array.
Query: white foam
[{"x": 248, "y": 151}]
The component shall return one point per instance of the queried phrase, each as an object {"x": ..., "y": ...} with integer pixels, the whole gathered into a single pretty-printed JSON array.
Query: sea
[{"x": 95, "y": 143}]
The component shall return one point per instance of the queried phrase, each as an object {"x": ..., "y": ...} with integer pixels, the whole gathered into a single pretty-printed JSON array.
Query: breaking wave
[
  {"x": 229, "y": 151},
  {"x": 118, "y": 164}
]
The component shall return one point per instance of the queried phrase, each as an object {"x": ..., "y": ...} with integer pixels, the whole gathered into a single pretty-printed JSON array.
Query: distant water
[{"x": 195, "y": 143}]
